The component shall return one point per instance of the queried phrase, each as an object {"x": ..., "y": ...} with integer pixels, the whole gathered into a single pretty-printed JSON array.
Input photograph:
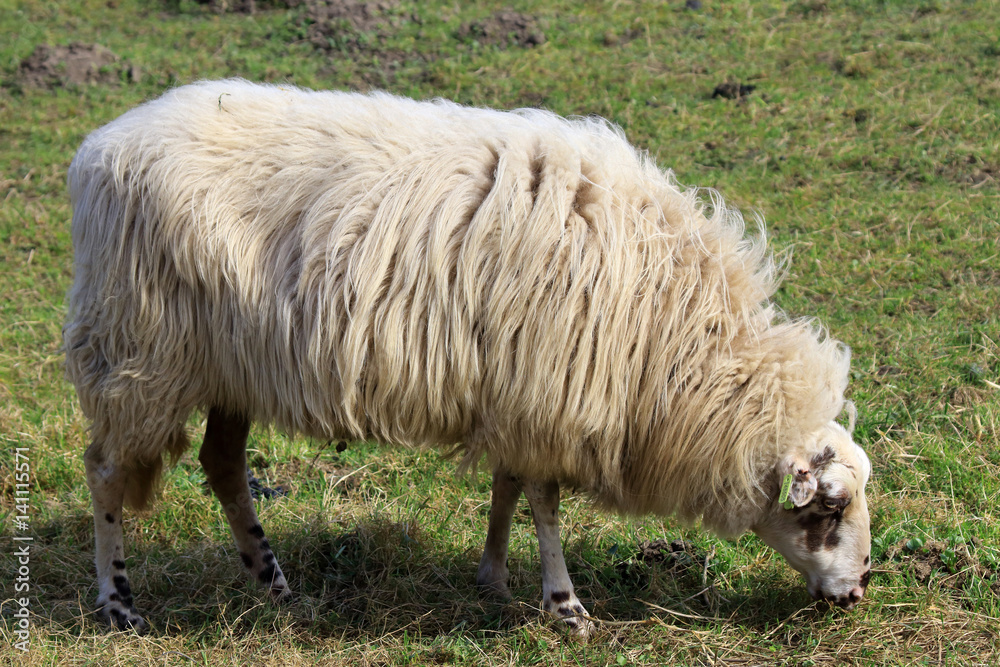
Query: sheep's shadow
[{"x": 375, "y": 578}]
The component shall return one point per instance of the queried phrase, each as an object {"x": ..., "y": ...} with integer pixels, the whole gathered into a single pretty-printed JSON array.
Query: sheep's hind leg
[
  {"x": 223, "y": 456},
  {"x": 107, "y": 489},
  {"x": 493, "y": 574},
  {"x": 558, "y": 597}
]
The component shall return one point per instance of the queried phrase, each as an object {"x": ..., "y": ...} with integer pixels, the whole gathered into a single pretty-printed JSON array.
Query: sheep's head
[{"x": 818, "y": 517}]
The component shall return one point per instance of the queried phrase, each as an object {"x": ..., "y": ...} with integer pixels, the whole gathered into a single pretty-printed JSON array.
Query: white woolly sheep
[{"x": 528, "y": 288}]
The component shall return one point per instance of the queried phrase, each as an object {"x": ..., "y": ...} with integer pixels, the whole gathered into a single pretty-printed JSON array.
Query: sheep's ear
[
  {"x": 798, "y": 483},
  {"x": 852, "y": 416}
]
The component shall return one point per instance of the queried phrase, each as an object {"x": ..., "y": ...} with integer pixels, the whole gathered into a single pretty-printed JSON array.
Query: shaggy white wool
[{"x": 530, "y": 288}]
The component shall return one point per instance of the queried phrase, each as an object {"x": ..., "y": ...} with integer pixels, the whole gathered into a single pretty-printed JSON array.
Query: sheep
[{"x": 521, "y": 288}]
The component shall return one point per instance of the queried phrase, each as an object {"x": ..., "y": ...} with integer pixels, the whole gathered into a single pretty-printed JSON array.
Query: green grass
[{"x": 872, "y": 146}]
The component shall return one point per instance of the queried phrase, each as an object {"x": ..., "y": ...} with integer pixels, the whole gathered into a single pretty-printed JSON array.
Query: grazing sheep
[{"x": 529, "y": 288}]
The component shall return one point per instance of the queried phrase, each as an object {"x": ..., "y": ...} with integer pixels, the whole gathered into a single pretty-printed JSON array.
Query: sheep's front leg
[
  {"x": 107, "y": 489},
  {"x": 493, "y": 574},
  {"x": 558, "y": 597},
  {"x": 223, "y": 456}
]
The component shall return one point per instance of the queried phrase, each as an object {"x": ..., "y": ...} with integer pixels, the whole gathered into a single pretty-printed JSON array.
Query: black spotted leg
[
  {"x": 223, "y": 456},
  {"x": 558, "y": 597},
  {"x": 107, "y": 489},
  {"x": 493, "y": 574}
]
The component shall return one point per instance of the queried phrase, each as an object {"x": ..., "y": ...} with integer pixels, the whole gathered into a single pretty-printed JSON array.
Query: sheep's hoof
[
  {"x": 580, "y": 629},
  {"x": 495, "y": 589},
  {"x": 575, "y": 618},
  {"x": 122, "y": 617},
  {"x": 493, "y": 584}
]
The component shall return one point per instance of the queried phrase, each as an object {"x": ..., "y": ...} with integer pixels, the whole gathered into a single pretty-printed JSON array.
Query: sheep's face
[{"x": 825, "y": 534}]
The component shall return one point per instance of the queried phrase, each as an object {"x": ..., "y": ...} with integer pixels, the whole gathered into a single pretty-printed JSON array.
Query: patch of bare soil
[
  {"x": 676, "y": 555},
  {"x": 952, "y": 565},
  {"x": 361, "y": 30},
  {"x": 733, "y": 90},
  {"x": 337, "y": 22},
  {"x": 971, "y": 170},
  {"x": 259, "y": 490},
  {"x": 503, "y": 29},
  {"x": 74, "y": 64},
  {"x": 612, "y": 38}
]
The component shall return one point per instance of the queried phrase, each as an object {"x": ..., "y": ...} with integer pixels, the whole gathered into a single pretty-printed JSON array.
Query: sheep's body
[{"x": 370, "y": 267}]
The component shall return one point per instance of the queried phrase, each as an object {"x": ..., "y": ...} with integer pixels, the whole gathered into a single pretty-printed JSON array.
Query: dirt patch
[
  {"x": 360, "y": 30},
  {"x": 362, "y": 16},
  {"x": 810, "y": 7},
  {"x": 970, "y": 170},
  {"x": 952, "y": 565},
  {"x": 74, "y": 64},
  {"x": 675, "y": 558},
  {"x": 860, "y": 116},
  {"x": 332, "y": 24},
  {"x": 733, "y": 90},
  {"x": 504, "y": 29},
  {"x": 612, "y": 38},
  {"x": 677, "y": 554},
  {"x": 259, "y": 490}
]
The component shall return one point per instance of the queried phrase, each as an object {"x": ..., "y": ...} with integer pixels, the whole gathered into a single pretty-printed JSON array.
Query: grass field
[{"x": 871, "y": 144}]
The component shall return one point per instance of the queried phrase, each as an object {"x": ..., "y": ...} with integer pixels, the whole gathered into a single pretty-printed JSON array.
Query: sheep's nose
[
  {"x": 851, "y": 599},
  {"x": 843, "y": 601}
]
